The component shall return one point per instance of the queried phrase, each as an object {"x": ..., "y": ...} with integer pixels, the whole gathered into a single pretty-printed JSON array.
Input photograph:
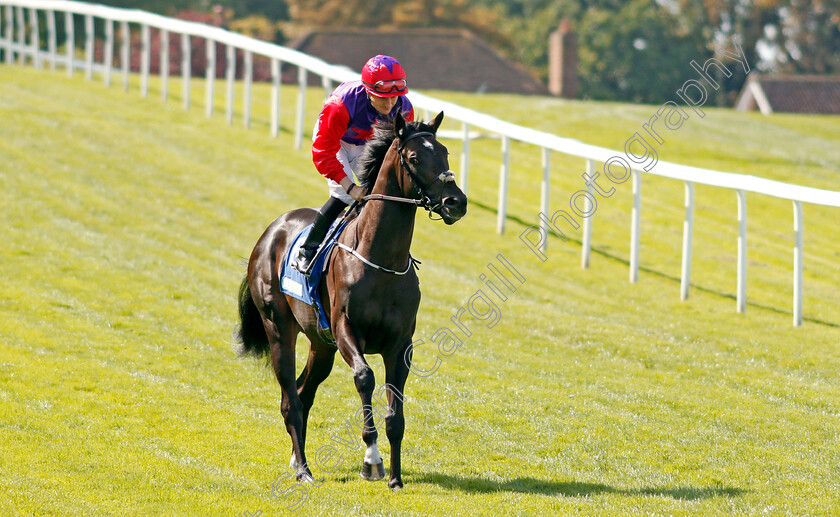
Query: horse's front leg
[
  {"x": 350, "y": 349},
  {"x": 396, "y": 373}
]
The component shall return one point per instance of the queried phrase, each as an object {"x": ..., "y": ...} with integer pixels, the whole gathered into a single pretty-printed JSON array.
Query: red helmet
[{"x": 383, "y": 76}]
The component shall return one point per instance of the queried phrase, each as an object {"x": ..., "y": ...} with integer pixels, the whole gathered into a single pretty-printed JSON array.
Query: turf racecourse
[{"x": 125, "y": 221}]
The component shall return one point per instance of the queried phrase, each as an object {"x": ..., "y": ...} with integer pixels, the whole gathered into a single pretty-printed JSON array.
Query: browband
[{"x": 413, "y": 136}]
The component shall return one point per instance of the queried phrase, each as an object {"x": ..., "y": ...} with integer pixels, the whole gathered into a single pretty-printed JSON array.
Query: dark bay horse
[{"x": 371, "y": 291}]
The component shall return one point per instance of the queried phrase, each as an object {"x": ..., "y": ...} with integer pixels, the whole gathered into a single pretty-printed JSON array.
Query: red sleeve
[
  {"x": 409, "y": 117},
  {"x": 331, "y": 126}
]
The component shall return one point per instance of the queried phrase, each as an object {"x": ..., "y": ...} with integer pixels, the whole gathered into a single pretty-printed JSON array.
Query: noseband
[
  {"x": 424, "y": 200},
  {"x": 445, "y": 176}
]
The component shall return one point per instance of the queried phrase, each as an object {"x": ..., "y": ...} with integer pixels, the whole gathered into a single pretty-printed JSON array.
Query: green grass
[{"x": 125, "y": 221}]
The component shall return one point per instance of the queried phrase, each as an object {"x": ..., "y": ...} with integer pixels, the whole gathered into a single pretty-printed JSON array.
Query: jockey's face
[{"x": 383, "y": 105}]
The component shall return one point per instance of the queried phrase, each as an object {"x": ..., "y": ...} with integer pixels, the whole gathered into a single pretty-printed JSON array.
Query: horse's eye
[{"x": 414, "y": 161}]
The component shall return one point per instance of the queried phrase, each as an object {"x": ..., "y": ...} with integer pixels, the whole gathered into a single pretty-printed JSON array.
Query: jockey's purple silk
[{"x": 363, "y": 116}]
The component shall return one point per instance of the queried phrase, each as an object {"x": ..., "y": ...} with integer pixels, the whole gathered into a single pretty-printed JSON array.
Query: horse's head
[{"x": 426, "y": 163}]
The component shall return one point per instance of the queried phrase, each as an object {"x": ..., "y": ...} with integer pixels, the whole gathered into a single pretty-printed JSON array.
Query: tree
[
  {"x": 632, "y": 53},
  {"x": 529, "y": 25},
  {"x": 801, "y": 36},
  {"x": 273, "y": 10},
  {"x": 406, "y": 14},
  {"x": 719, "y": 24},
  {"x": 341, "y": 13}
]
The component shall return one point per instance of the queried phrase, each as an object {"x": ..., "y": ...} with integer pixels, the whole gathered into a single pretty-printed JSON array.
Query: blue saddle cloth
[{"x": 296, "y": 285}]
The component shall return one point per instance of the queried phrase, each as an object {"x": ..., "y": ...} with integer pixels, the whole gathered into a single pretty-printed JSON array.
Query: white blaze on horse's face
[{"x": 428, "y": 145}]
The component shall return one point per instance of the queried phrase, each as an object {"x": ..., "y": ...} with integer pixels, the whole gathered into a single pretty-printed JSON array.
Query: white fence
[{"x": 20, "y": 40}]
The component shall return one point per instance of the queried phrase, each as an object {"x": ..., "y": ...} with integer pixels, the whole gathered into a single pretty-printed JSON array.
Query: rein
[{"x": 383, "y": 197}]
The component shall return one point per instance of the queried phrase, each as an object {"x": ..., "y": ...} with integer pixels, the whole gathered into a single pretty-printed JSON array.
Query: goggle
[{"x": 389, "y": 86}]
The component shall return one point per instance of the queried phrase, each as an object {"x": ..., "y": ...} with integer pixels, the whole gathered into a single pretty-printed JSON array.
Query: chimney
[{"x": 562, "y": 61}]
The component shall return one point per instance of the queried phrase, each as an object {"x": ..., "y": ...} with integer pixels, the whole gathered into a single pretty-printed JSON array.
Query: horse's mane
[{"x": 375, "y": 149}]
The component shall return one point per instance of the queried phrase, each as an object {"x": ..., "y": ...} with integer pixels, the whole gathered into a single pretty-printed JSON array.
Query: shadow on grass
[
  {"x": 569, "y": 488},
  {"x": 660, "y": 274}
]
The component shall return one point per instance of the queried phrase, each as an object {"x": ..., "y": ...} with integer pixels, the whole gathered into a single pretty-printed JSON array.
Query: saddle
[{"x": 305, "y": 289}]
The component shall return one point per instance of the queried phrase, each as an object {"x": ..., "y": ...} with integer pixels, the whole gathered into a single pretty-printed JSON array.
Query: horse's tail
[{"x": 250, "y": 333}]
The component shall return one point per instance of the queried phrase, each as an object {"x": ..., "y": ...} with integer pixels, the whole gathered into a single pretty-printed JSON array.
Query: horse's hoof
[
  {"x": 395, "y": 484},
  {"x": 373, "y": 472},
  {"x": 305, "y": 477}
]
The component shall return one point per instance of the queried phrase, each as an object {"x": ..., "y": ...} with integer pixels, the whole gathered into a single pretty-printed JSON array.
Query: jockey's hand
[{"x": 356, "y": 192}]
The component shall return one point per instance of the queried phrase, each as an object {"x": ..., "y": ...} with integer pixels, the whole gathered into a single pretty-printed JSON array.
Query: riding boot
[{"x": 323, "y": 220}]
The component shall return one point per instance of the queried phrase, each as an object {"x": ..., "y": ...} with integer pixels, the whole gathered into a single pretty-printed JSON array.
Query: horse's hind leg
[
  {"x": 282, "y": 345},
  {"x": 318, "y": 367}
]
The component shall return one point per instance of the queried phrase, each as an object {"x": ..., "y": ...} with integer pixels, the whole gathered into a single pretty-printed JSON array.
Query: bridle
[{"x": 424, "y": 200}]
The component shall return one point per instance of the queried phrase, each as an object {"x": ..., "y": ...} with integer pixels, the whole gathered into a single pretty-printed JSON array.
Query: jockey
[{"x": 344, "y": 125}]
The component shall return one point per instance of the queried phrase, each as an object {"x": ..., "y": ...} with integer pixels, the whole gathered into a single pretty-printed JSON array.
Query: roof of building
[
  {"x": 445, "y": 59},
  {"x": 790, "y": 93}
]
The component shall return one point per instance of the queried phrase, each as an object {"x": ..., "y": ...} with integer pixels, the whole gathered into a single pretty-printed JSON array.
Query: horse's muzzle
[{"x": 453, "y": 207}]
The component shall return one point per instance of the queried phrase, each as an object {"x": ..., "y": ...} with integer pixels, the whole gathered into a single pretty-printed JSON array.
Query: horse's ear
[
  {"x": 437, "y": 121},
  {"x": 399, "y": 126}
]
